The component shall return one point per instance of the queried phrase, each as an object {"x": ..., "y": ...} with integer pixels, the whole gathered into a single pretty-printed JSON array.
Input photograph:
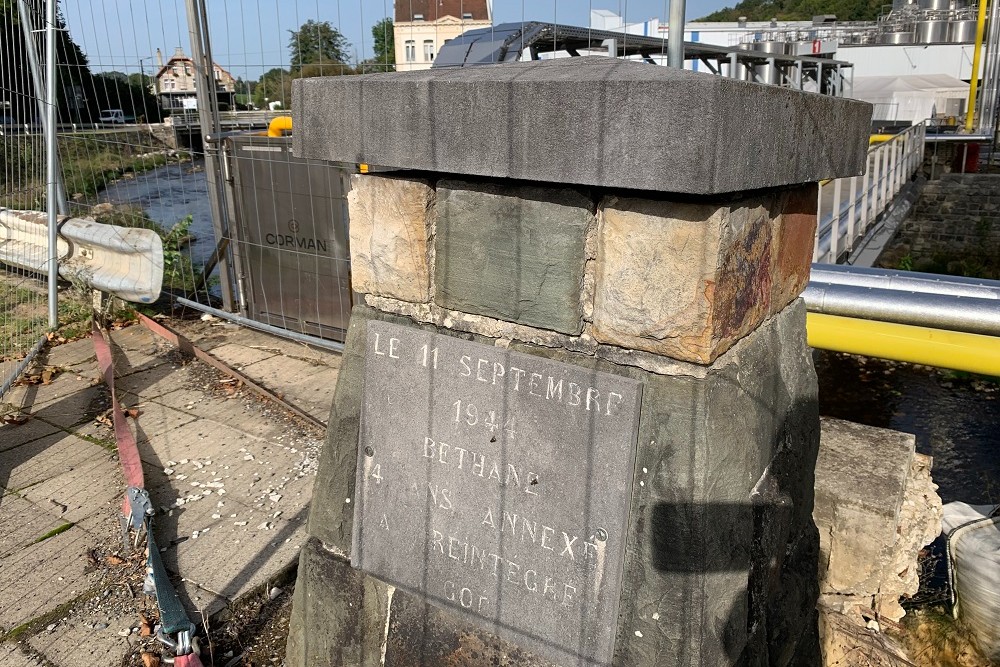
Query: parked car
[{"x": 112, "y": 117}]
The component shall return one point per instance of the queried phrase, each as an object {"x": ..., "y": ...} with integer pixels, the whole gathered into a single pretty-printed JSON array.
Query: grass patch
[
  {"x": 35, "y": 625},
  {"x": 58, "y": 530}
]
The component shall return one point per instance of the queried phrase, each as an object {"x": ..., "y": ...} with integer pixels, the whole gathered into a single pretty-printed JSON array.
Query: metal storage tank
[
  {"x": 895, "y": 38},
  {"x": 962, "y": 32},
  {"x": 935, "y": 4},
  {"x": 931, "y": 32},
  {"x": 766, "y": 73}
]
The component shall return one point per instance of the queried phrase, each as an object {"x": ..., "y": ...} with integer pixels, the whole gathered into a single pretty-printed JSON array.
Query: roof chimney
[
  {"x": 159, "y": 58},
  {"x": 179, "y": 53}
]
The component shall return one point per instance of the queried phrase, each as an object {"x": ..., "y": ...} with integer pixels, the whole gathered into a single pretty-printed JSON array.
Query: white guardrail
[
  {"x": 849, "y": 207},
  {"x": 125, "y": 262}
]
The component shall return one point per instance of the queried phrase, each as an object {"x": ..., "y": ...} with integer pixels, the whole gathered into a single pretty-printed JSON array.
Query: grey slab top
[{"x": 593, "y": 121}]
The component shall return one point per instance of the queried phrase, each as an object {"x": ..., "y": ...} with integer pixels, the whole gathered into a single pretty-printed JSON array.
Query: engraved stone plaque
[{"x": 497, "y": 485}]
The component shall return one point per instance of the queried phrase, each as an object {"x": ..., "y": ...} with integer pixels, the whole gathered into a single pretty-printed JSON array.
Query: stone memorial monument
[{"x": 576, "y": 420}]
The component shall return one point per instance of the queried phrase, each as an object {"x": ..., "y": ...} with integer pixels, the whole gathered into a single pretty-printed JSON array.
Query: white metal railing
[{"x": 848, "y": 207}]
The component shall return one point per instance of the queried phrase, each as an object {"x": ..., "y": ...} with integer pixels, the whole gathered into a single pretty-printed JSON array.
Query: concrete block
[
  {"x": 687, "y": 280},
  {"x": 592, "y": 121},
  {"x": 11, "y": 655},
  {"x": 46, "y": 458},
  {"x": 72, "y": 643},
  {"x": 512, "y": 252},
  {"x": 391, "y": 230}
]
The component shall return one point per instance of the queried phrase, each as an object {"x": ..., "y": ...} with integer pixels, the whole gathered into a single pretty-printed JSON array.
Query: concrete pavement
[{"x": 229, "y": 473}]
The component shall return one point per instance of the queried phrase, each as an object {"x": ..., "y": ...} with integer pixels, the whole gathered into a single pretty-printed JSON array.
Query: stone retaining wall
[{"x": 956, "y": 217}]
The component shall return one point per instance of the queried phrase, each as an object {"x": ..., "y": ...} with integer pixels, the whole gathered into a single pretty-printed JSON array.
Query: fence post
[
  {"x": 819, "y": 221},
  {"x": 211, "y": 135},
  {"x": 865, "y": 185},
  {"x": 852, "y": 213},
  {"x": 52, "y": 164},
  {"x": 835, "y": 222}
]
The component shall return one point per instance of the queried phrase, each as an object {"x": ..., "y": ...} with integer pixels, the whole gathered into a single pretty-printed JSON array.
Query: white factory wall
[{"x": 898, "y": 60}]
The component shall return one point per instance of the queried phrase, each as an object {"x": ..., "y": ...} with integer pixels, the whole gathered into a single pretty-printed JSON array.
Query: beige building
[
  {"x": 175, "y": 83},
  {"x": 421, "y": 27}
]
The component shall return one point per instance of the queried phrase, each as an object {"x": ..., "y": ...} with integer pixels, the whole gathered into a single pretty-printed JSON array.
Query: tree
[
  {"x": 274, "y": 86},
  {"x": 317, "y": 43},
  {"x": 384, "y": 44}
]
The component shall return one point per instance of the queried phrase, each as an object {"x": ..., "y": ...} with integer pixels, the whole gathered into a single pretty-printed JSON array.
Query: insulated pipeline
[
  {"x": 909, "y": 281},
  {"x": 937, "y": 311}
]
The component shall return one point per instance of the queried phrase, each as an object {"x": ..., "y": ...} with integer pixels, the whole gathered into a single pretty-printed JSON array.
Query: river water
[
  {"x": 168, "y": 194},
  {"x": 955, "y": 419}
]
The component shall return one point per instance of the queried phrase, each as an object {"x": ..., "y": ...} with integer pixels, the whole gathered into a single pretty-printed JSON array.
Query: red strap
[
  {"x": 189, "y": 660},
  {"x": 128, "y": 451}
]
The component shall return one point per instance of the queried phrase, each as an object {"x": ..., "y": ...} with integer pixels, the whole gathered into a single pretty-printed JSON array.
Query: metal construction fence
[
  {"x": 173, "y": 117},
  {"x": 24, "y": 297}
]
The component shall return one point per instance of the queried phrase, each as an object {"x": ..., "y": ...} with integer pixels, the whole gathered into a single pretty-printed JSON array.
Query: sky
[{"x": 250, "y": 37}]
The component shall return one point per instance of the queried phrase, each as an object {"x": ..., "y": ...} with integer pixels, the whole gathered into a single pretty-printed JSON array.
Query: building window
[
  {"x": 187, "y": 70},
  {"x": 466, "y": 15},
  {"x": 411, "y": 50},
  {"x": 418, "y": 17},
  {"x": 428, "y": 50},
  {"x": 175, "y": 70}
]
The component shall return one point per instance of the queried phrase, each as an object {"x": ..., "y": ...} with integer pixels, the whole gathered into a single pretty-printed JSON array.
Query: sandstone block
[
  {"x": 391, "y": 227},
  {"x": 515, "y": 253},
  {"x": 687, "y": 280},
  {"x": 876, "y": 507}
]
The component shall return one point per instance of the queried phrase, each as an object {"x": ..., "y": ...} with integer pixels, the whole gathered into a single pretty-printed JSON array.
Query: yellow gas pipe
[
  {"x": 278, "y": 126},
  {"x": 970, "y": 111},
  {"x": 959, "y": 351}
]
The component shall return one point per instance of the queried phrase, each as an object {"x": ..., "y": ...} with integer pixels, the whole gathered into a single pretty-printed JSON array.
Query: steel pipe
[
  {"x": 960, "y": 351},
  {"x": 907, "y": 281},
  {"x": 938, "y": 311},
  {"x": 52, "y": 164}
]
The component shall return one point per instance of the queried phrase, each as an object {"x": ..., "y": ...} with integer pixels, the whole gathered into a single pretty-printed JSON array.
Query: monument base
[{"x": 721, "y": 558}]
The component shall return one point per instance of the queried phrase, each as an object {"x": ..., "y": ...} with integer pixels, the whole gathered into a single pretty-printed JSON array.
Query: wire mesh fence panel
[
  {"x": 163, "y": 115},
  {"x": 23, "y": 253}
]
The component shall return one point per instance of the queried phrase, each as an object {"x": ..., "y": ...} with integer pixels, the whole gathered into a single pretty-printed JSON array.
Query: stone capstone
[
  {"x": 512, "y": 252},
  {"x": 391, "y": 232},
  {"x": 687, "y": 280},
  {"x": 591, "y": 121}
]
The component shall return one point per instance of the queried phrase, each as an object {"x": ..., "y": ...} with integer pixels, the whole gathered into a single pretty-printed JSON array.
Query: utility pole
[{"x": 675, "y": 36}]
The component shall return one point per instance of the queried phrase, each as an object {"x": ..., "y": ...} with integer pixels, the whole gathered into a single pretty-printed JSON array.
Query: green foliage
[
  {"x": 906, "y": 263},
  {"x": 384, "y": 46},
  {"x": 317, "y": 43},
  {"x": 798, "y": 10}
]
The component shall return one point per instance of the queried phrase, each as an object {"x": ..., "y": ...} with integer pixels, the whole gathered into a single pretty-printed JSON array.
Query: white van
[{"x": 112, "y": 116}]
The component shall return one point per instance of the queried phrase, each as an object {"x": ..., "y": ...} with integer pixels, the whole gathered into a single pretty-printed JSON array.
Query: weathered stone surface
[
  {"x": 703, "y": 555},
  {"x": 422, "y": 634},
  {"x": 876, "y": 508},
  {"x": 391, "y": 228},
  {"x": 592, "y": 121},
  {"x": 721, "y": 526},
  {"x": 338, "y": 614},
  {"x": 512, "y": 252},
  {"x": 331, "y": 514},
  {"x": 687, "y": 280},
  {"x": 528, "y": 540},
  {"x": 793, "y": 238}
]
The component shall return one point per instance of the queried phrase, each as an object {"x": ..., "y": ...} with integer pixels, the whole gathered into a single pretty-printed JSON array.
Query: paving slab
[
  {"x": 45, "y": 458},
  {"x": 79, "y": 493},
  {"x": 12, "y": 655},
  {"x": 22, "y": 523},
  {"x": 242, "y": 455},
  {"x": 73, "y": 643},
  {"x": 15, "y": 435},
  {"x": 44, "y": 576}
]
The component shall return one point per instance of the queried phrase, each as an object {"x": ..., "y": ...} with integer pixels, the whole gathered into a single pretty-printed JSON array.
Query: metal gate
[{"x": 289, "y": 236}]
